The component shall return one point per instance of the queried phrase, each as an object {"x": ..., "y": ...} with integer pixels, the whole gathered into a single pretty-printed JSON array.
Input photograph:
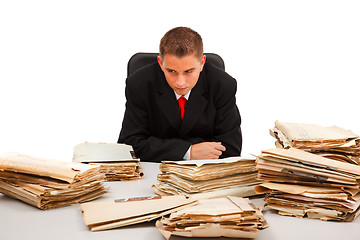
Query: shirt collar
[{"x": 186, "y": 95}]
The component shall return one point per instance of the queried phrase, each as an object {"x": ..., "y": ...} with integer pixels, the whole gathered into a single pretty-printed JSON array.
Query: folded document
[{"x": 122, "y": 212}]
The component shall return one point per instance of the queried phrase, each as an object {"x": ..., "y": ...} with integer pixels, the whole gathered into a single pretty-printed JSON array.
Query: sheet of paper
[{"x": 103, "y": 152}]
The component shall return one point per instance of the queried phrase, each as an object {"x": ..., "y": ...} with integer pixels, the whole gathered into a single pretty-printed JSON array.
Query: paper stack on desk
[
  {"x": 234, "y": 176},
  {"x": 234, "y": 217},
  {"x": 116, "y": 161},
  {"x": 331, "y": 142},
  {"x": 47, "y": 183},
  {"x": 122, "y": 212},
  {"x": 305, "y": 184}
]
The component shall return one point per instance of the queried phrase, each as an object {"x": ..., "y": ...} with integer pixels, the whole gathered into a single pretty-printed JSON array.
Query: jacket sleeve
[{"x": 228, "y": 120}]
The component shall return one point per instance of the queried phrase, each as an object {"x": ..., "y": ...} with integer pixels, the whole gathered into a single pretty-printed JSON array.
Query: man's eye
[{"x": 188, "y": 71}]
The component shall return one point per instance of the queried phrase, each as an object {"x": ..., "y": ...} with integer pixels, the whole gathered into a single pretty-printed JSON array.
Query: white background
[{"x": 63, "y": 65}]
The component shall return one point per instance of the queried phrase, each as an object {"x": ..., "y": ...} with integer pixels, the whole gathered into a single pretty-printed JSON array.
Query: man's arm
[
  {"x": 227, "y": 138},
  {"x": 227, "y": 122},
  {"x": 206, "y": 150}
]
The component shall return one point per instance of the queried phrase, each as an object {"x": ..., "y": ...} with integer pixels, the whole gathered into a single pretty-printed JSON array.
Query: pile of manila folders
[
  {"x": 232, "y": 176},
  {"x": 314, "y": 172},
  {"x": 49, "y": 183}
]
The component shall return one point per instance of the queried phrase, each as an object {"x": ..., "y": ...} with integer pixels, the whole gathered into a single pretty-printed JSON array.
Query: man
[{"x": 159, "y": 127}]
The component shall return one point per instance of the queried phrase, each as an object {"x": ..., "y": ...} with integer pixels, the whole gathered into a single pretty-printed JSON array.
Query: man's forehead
[{"x": 188, "y": 61}]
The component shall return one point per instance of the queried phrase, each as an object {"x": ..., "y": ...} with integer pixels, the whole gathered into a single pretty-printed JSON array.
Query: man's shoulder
[
  {"x": 217, "y": 77},
  {"x": 145, "y": 74}
]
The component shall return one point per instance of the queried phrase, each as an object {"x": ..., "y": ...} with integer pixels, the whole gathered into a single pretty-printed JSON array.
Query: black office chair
[{"x": 139, "y": 60}]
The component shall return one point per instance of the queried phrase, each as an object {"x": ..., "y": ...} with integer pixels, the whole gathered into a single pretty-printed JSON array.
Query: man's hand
[{"x": 206, "y": 150}]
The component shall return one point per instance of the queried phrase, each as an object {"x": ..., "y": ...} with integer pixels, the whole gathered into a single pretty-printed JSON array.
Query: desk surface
[{"x": 22, "y": 221}]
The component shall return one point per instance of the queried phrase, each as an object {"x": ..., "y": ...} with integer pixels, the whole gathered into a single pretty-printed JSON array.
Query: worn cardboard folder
[
  {"x": 209, "y": 169},
  {"x": 295, "y": 165},
  {"x": 331, "y": 142},
  {"x": 117, "y": 213},
  {"x": 230, "y": 216},
  {"x": 117, "y": 161},
  {"x": 326, "y": 203},
  {"x": 48, "y": 183}
]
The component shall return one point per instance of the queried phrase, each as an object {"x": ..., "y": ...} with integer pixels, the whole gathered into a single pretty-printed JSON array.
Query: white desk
[{"x": 19, "y": 220}]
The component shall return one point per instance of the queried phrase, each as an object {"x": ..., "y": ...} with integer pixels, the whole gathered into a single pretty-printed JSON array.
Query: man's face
[{"x": 182, "y": 73}]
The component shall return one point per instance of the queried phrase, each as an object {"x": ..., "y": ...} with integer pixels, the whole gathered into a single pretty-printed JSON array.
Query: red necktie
[{"x": 182, "y": 100}]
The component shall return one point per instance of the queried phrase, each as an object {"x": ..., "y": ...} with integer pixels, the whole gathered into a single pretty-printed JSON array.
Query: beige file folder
[
  {"x": 118, "y": 213},
  {"x": 230, "y": 216}
]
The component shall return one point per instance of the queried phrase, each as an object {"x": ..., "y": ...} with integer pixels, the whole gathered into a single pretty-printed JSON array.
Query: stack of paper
[
  {"x": 213, "y": 178},
  {"x": 116, "y": 161},
  {"x": 47, "y": 183},
  {"x": 219, "y": 217},
  {"x": 305, "y": 184},
  {"x": 122, "y": 212},
  {"x": 331, "y": 142}
]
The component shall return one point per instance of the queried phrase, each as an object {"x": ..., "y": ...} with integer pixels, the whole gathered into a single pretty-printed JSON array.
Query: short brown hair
[{"x": 181, "y": 41}]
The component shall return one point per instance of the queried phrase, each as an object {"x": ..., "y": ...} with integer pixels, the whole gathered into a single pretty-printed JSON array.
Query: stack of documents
[
  {"x": 234, "y": 217},
  {"x": 47, "y": 183},
  {"x": 122, "y": 212},
  {"x": 331, "y": 142},
  {"x": 305, "y": 184},
  {"x": 116, "y": 161},
  {"x": 214, "y": 178}
]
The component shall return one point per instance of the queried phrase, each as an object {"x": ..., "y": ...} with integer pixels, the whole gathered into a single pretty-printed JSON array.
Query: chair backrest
[{"x": 139, "y": 60}]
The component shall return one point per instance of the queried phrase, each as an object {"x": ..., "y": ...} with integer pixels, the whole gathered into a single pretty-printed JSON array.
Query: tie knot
[{"x": 182, "y": 100}]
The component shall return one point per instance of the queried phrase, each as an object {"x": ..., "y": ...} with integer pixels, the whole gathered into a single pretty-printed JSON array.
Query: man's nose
[{"x": 180, "y": 80}]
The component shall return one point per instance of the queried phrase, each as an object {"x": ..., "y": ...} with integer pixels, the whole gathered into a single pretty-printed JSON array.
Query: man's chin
[{"x": 182, "y": 91}]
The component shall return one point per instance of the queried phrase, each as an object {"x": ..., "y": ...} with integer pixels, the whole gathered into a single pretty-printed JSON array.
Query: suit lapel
[
  {"x": 166, "y": 100},
  {"x": 170, "y": 108},
  {"x": 195, "y": 106}
]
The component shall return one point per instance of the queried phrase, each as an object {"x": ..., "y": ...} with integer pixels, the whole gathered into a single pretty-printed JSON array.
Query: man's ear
[
  {"x": 160, "y": 61},
  {"x": 202, "y": 62}
]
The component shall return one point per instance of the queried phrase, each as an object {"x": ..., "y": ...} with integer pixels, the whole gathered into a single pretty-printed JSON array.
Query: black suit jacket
[{"x": 152, "y": 123}]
